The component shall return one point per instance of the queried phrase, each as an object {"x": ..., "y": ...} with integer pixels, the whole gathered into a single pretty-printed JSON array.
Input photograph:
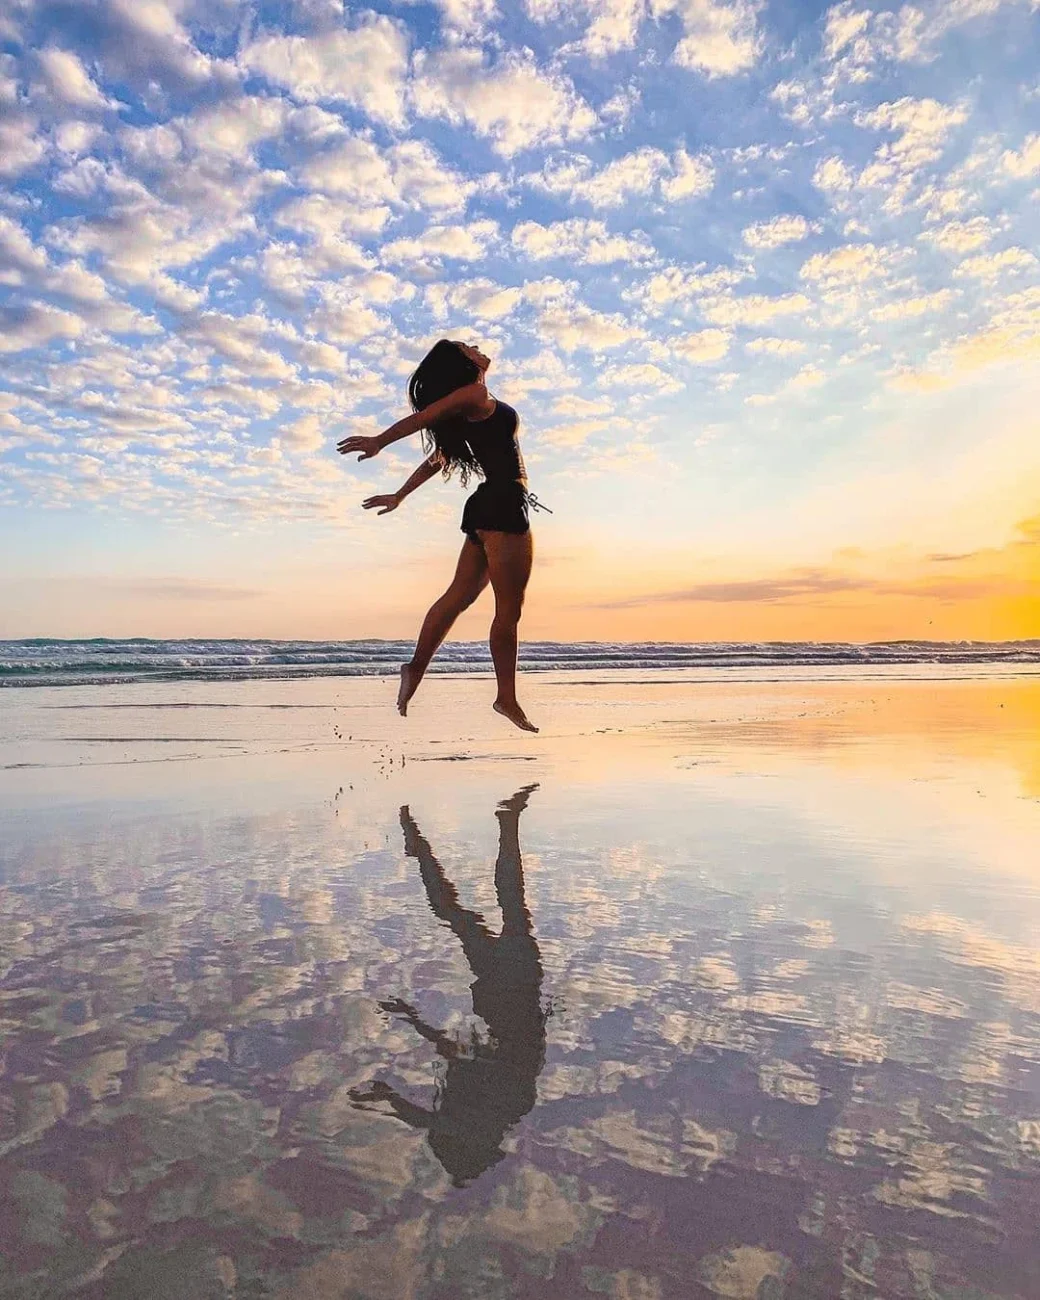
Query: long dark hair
[{"x": 442, "y": 370}]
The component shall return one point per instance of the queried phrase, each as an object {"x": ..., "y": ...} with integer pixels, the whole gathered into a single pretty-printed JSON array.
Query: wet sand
[{"x": 715, "y": 988}]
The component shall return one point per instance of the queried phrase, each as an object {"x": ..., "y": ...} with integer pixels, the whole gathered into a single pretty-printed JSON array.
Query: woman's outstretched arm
[
  {"x": 470, "y": 400},
  {"x": 430, "y": 466}
]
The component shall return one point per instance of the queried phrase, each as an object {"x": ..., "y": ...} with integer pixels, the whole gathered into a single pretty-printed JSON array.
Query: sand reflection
[
  {"x": 793, "y": 968},
  {"x": 489, "y": 1082}
]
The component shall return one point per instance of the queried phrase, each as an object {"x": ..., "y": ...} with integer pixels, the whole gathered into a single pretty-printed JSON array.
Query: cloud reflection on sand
[{"x": 793, "y": 1051}]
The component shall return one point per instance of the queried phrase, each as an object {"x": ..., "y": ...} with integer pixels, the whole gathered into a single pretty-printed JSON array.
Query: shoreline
[{"x": 909, "y": 671}]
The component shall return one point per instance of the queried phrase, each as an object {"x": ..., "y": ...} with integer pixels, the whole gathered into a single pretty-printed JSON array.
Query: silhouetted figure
[
  {"x": 488, "y": 1084},
  {"x": 466, "y": 429}
]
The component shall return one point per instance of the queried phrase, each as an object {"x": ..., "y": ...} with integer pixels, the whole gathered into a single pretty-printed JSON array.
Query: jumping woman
[{"x": 466, "y": 429}]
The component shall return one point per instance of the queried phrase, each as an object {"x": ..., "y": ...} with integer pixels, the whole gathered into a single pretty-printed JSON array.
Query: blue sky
[{"x": 761, "y": 279}]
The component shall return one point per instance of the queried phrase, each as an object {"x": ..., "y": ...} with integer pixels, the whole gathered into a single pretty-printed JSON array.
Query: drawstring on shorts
[{"x": 534, "y": 503}]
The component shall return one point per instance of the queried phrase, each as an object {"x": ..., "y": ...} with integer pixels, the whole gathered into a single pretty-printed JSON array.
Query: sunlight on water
[{"x": 708, "y": 995}]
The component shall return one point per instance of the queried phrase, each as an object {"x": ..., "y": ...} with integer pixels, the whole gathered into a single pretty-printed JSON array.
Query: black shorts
[{"x": 499, "y": 507}]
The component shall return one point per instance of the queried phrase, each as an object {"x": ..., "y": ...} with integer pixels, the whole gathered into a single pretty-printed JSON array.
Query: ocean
[{"x": 40, "y": 661}]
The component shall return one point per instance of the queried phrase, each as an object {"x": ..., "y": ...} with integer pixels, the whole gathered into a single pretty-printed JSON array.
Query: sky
[{"x": 762, "y": 280}]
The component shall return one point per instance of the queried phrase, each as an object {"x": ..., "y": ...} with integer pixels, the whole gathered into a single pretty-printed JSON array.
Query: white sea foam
[{"x": 46, "y": 662}]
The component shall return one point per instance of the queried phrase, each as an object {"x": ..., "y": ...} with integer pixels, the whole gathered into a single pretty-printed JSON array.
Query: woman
[{"x": 467, "y": 429}]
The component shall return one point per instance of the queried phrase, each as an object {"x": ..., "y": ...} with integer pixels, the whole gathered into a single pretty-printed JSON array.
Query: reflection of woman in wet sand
[{"x": 488, "y": 1085}]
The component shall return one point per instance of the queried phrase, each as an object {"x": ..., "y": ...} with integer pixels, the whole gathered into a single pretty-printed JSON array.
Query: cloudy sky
[{"x": 762, "y": 280}]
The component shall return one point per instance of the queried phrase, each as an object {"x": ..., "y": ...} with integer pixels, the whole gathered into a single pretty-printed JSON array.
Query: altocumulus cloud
[{"x": 228, "y": 231}]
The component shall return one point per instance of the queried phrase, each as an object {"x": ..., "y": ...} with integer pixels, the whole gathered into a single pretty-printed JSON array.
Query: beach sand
[{"x": 721, "y": 986}]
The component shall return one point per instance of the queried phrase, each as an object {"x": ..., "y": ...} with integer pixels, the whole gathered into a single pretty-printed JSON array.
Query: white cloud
[
  {"x": 993, "y": 265},
  {"x": 424, "y": 180},
  {"x": 468, "y": 18},
  {"x": 247, "y": 396},
  {"x": 345, "y": 317},
  {"x": 573, "y": 326},
  {"x": 480, "y": 298},
  {"x": 808, "y": 377},
  {"x": 145, "y": 43},
  {"x": 139, "y": 238},
  {"x": 620, "y": 107},
  {"x": 75, "y": 138},
  {"x": 1023, "y": 162},
  {"x": 610, "y": 186},
  {"x": 382, "y": 288},
  {"x": 18, "y": 254},
  {"x": 545, "y": 372},
  {"x": 407, "y": 174},
  {"x": 318, "y": 15},
  {"x": 305, "y": 434},
  {"x": 291, "y": 270},
  {"x": 466, "y": 243},
  {"x": 960, "y": 237},
  {"x": 642, "y": 375},
  {"x": 587, "y": 242},
  {"x": 754, "y": 308},
  {"x": 548, "y": 290},
  {"x": 231, "y": 130},
  {"x": 364, "y": 66},
  {"x": 343, "y": 395},
  {"x": 921, "y": 127},
  {"x": 1011, "y": 339},
  {"x": 613, "y": 25},
  {"x": 21, "y": 146},
  {"x": 329, "y": 219},
  {"x": 643, "y": 172},
  {"x": 691, "y": 177},
  {"x": 701, "y": 347},
  {"x": 238, "y": 338},
  {"x": 777, "y": 231},
  {"x": 573, "y": 404},
  {"x": 316, "y": 355},
  {"x": 801, "y": 102},
  {"x": 919, "y": 29},
  {"x": 843, "y": 23},
  {"x": 29, "y": 267},
  {"x": 33, "y": 324},
  {"x": 180, "y": 190},
  {"x": 544, "y": 11},
  {"x": 846, "y": 265},
  {"x": 834, "y": 176},
  {"x": 911, "y": 308},
  {"x": 514, "y": 104},
  {"x": 862, "y": 44},
  {"x": 574, "y": 434},
  {"x": 67, "y": 81},
  {"x": 720, "y": 40},
  {"x": 682, "y": 284}
]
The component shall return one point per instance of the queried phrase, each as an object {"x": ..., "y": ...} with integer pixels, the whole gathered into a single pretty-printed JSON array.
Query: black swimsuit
[{"x": 501, "y": 502}]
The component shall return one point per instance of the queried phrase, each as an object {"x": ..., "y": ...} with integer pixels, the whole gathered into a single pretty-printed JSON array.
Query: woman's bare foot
[
  {"x": 409, "y": 685},
  {"x": 515, "y": 714}
]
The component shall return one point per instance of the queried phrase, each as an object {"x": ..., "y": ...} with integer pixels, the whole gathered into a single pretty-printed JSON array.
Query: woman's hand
[
  {"x": 368, "y": 447},
  {"x": 388, "y": 502}
]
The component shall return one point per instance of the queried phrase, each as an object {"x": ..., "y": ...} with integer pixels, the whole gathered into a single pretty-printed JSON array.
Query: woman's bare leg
[
  {"x": 509, "y": 558},
  {"x": 471, "y": 577}
]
